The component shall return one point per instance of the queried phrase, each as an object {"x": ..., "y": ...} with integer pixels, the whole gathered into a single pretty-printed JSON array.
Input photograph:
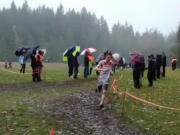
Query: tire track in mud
[{"x": 81, "y": 113}]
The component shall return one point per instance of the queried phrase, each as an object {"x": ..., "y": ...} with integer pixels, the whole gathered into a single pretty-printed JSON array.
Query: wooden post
[{"x": 123, "y": 103}]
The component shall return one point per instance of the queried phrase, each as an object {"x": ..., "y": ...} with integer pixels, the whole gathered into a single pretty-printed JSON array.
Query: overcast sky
[{"x": 161, "y": 14}]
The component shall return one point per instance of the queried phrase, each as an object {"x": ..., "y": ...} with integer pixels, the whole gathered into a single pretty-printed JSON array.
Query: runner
[{"x": 105, "y": 69}]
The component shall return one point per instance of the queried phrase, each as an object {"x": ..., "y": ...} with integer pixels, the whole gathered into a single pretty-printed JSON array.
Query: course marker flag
[{"x": 52, "y": 132}]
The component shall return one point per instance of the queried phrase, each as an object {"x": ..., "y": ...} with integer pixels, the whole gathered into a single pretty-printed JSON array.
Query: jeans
[{"x": 86, "y": 71}]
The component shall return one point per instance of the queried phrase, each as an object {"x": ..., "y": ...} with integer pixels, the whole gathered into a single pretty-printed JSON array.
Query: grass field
[
  {"x": 21, "y": 109},
  {"x": 148, "y": 118}
]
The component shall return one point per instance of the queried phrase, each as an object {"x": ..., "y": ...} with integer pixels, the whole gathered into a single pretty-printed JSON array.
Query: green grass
[
  {"x": 19, "y": 113},
  {"x": 19, "y": 109},
  {"x": 53, "y": 72},
  {"x": 148, "y": 118}
]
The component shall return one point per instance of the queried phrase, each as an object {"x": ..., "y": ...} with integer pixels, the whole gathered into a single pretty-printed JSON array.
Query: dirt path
[
  {"x": 43, "y": 84},
  {"x": 79, "y": 111},
  {"x": 84, "y": 117}
]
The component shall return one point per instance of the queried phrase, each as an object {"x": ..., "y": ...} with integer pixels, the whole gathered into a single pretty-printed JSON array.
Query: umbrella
[
  {"x": 20, "y": 51},
  {"x": 30, "y": 52},
  {"x": 99, "y": 58},
  {"x": 89, "y": 50},
  {"x": 72, "y": 50},
  {"x": 134, "y": 53},
  {"x": 116, "y": 56},
  {"x": 138, "y": 57},
  {"x": 44, "y": 51}
]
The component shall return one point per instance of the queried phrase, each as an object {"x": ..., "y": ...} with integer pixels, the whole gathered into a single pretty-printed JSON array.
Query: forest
[{"x": 59, "y": 30}]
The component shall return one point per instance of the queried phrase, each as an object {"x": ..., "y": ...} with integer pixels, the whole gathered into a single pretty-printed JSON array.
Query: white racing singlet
[{"x": 104, "y": 76}]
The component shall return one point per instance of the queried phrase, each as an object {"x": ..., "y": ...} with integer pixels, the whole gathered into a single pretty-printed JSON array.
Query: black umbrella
[
  {"x": 99, "y": 58},
  {"x": 20, "y": 51},
  {"x": 30, "y": 52}
]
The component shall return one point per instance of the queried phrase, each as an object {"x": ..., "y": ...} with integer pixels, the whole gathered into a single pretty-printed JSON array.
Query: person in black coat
[
  {"x": 136, "y": 74},
  {"x": 34, "y": 66},
  {"x": 151, "y": 70},
  {"x": 76, "y": 65},
  {"x": 163, "y": 64},
  {"x": 70, "y": 58},
  {"x": 142, "y": 68},
  {"x": 154, "y": 71},
  {"x": 158, "y": 65}
]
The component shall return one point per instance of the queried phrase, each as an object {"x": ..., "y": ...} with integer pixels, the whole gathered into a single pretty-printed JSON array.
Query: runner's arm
[{"x": 98, "y": 67}]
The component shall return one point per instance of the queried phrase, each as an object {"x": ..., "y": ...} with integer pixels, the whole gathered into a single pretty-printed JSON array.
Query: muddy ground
[
  {"x": 79, "y": 111},
  {"x": 83, "y": 116}
]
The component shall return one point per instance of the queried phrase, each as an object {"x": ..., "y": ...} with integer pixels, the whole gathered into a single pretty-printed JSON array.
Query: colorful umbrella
[
  {"x": 136, "y": 56},
  {"x": 72, "y": 50},
  {"x": 89, "y": 50},
  {"x": 134, "y": 53}
]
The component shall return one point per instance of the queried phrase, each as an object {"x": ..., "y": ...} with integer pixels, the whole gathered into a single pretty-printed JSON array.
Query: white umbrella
[
  {"x": 116, "y": 56},
  {"x": 44, "y": 51},
  {"x": 90, "y": 50}
]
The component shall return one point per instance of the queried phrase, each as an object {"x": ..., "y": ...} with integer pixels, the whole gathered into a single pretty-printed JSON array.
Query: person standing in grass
[
  {"x": 34, "y": 66},
  {"x": 39, "y": 59},
  {"x": 163, "y": 64},
  {"x": 86, "y": 64},
  {"x": 76, "y": 65},
  {"x": 151, "y": 69},
  {"x": 22, "y": 61},
  {"x": 173, "y": 63},
  {"x": 70, "y": 63},
  {"x": 136, "y": 74},
  {"x": 91, "y": 64},
  {"x": 158, "y": 65},
  {"x": 6, "y": 65},
  {"x": 105, "y": 69}
]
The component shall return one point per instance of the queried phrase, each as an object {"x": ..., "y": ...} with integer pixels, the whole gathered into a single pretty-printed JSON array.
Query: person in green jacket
[{"x": 91, "y": 66}]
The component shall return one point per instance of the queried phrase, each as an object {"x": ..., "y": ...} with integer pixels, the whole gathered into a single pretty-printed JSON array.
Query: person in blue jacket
[{"x": 22, "y": 61}]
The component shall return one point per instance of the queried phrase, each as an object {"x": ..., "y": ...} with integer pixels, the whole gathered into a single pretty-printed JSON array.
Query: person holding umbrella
[
  {"x": 137, "y": 60},
  {"x": 70, "y": 55},
  {"x": 86, "y": 64},
  {"x": 70, "y": 59},
  {"x": 22, "y": 61}
]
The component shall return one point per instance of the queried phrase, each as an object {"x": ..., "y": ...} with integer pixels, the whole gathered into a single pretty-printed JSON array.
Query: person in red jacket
[{"x": 39, "y": 64}]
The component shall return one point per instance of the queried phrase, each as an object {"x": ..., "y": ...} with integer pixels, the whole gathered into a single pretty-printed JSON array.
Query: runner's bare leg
[{"x": 103, "y": 97}]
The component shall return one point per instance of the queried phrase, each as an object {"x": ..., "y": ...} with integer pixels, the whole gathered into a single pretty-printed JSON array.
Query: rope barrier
[
  {"x": 36, "y": 72},
  {"x": 114, "y": 89}
]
